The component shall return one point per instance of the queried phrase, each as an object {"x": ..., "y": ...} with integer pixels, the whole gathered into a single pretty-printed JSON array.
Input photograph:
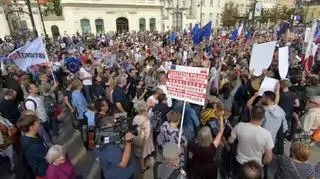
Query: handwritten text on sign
[{"x": 188, "y": 84}]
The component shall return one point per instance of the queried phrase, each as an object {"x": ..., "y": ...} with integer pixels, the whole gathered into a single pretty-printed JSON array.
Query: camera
[{"x": 115, "y": 134}]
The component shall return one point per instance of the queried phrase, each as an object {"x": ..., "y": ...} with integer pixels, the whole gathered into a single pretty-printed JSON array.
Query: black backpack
[{"x": 22, "y": 169}]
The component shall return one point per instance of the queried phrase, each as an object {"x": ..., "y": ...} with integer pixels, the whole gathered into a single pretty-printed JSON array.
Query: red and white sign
[{"x": 188, "y": 83}]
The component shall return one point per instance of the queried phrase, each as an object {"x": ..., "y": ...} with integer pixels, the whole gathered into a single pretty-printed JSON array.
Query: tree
[
  {"x": 286, "y": 13},
  {"x": 230, "y": 14},
  {"x": 53, "y": 7}
]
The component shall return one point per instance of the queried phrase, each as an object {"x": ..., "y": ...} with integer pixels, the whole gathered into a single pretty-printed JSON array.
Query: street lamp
[{"x": 200, "y": 5}]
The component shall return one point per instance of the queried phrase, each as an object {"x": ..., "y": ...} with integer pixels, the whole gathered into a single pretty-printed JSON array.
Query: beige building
[
  {"x": 288, "y": 3},
  {"x": 113, "y": 15}
]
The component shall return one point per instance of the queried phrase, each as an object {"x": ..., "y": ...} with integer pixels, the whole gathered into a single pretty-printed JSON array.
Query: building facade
[{"x": 98, "y": 16}]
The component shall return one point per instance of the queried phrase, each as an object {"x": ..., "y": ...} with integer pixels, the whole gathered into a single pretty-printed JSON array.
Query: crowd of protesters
[{"x": 237, "y": 133}]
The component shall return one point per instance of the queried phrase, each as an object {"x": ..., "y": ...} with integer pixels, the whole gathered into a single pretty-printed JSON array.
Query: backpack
[
  {"x": 156, "y": 120},
  {"x": 23, "y": 169},
  {"x": 49, "y": 104}
]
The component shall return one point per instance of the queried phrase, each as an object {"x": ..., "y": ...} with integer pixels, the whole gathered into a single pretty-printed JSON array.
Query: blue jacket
[
  {"x": 191, "y": 122},
  {"x": 35, "y": 151},
  {"x": 79, "y": 103}
]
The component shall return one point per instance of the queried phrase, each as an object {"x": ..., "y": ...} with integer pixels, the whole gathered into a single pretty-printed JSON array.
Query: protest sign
[
  {"x": 31, "y": 54},
  {"x": 307, "y": 35},
  {"x": 261, "y": 57},
  {"x": 268, "y": 84},
  {"x": 283, "y": 61},
  {"x": 188, "y": 83}
]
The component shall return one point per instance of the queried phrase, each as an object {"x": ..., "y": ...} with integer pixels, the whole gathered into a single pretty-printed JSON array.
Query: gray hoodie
[{"x": 274, "y": 116}]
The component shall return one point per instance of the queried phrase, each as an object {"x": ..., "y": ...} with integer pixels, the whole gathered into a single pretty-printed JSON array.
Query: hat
[{"x": 171, "y": 151}]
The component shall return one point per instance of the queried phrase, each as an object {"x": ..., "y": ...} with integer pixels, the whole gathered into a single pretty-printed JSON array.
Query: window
[
  {"x": 99, "y": 25},
  {"x": 152, "y": 24},
  {"x": 203, "y": 2},
  {"x": 142, "y": 24},
  {"x": 211, "y": 3},
  {"x": 218, "y": 3},
  {"x": 85, "y": 26}
]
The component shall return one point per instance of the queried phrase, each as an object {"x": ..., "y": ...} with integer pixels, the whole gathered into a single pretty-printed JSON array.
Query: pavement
[{"x": 87, "y": 167}]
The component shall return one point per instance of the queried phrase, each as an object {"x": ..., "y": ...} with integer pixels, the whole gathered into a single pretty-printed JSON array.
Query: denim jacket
[{"x": 79, "y": 103}]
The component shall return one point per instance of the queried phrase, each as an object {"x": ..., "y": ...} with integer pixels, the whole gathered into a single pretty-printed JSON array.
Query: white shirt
[
  {"x": 165, "y": 91},
  {"x": 85, "y": 74},
  {"x": 253, "y": 142},
  {"x": 39, "y": 109}
]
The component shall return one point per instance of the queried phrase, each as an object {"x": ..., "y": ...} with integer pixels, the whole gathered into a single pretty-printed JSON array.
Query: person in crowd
[
  {"x": 296, "y": 166},
  {"x": 119, "y": 96},
  {"x": 203, "y": 152},
  {"x": 275, "y": 120},
  {"x": 118, "y": 163},
  {"x": 50, "y": 106},
  {"x": 35, "y": 104},
  {"x": 310, "y": 121},
  {"x": 132, "y": 83},
  {"x": 312, "y": 88},
  {"x": 103, "y": 111},
  {"x": 250, "y": 147},
  {"x": 163, "y": 86},
  {"x": 78, "y": 101},
  {"x": 252, "y": 170},
  {"x": 6, "y": 140},
  {"x": 191, "y": 121},
  {"x": 162, "y": 107},
  {"x": 67, "y": 94},
  {"x": 99, "y": 91},
  {"x": 10, "y": 81},
  {"x": 59, "y": 164},
  {"x": 169, "y": 133},
  {"x": 153, "y": 99},
  {"x": 8, "y": 106},
  {"x": 170, "y": 168},
  {"x": 86, "y": 74},
  {"x": 45, "y": 84},
  {"x": 33, "y": 147},
  {"x": 288, "y": 100},
  {"x": 144, "y": 145}
]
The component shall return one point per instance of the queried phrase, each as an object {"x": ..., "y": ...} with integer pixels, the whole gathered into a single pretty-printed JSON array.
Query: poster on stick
[{"x": 188, "y": 84}]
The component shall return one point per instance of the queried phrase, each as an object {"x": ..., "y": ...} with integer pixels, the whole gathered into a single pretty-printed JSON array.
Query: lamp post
[
  {"x": 41, "y": 17},
  {"x": 200, "y": 5},
  {"x": 27, "y": 2}
]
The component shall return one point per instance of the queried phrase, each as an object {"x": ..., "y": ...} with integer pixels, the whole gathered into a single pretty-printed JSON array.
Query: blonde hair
[
  {"x": 300, "y": 152},
  {"x": 204, "y": 138},
  {"x": 75, "y": 84},
  {"x": 174, "y": 116},
  {"x": 55, "y": 152},
  {"x": 140, "y": 107}
]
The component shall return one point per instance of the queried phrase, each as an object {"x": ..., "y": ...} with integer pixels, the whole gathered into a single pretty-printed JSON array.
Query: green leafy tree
[
  {"x": 53, "y": 7},
  {"x": 230, "y": 14},
  {"x": 286, "y": 13}
]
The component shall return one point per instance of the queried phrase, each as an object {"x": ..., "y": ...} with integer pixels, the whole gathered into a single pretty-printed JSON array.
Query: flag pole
[
  {"x": 181, "y": 125},
  {"x": 53, "y": 77}
]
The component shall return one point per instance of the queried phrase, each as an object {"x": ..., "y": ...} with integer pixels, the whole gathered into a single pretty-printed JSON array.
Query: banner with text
[
  {"x": 188, "y": 83},
  {"x": 30, "y": 54}
]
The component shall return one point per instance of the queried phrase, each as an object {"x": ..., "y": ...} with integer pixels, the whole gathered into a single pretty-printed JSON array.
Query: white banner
[
  {"x": 258, "y": 10},
  {"x": 268, "y": 84},
  {"x": 310, "y": 41},
  {"x": 261, "y": 57},
  {"x": 283, "y": 61},
  {"x": 30, "y": 54},
  {"x": 307, "y": 35},
  {"x": 188, "y": 83}
]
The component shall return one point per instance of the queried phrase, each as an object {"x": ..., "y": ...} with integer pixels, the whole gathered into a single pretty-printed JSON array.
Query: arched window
[
  {"x": 99, "y": 25},
  {"x": 122, "y": 24},
  {"x": 85, "y": 26},
  {"x": 152, "y": 24},
  {"x": 142, "y": 24}
]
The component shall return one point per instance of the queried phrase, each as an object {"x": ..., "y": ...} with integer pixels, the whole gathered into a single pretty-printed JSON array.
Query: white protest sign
[
  {"x": 310, "y": 41},
  {"x": 268, "y": 84},
  {"x": 261, "y": 57},
  {"x": 188, "y": 83},
  {"x": 314, "y": 49},
  {"x": 30, "y": 54},
  {"x": 307, "y": 35},
  {"x": 283, "y": 61}
]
